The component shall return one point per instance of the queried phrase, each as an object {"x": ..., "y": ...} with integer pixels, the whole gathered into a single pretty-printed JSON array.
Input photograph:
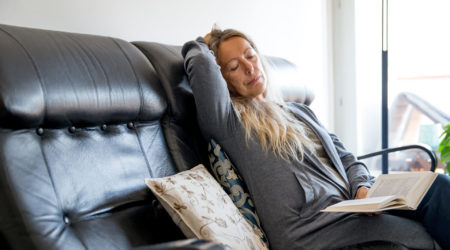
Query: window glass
[
  {"x": 418, "y": 78},
  {"x": 419, "y": 74}
]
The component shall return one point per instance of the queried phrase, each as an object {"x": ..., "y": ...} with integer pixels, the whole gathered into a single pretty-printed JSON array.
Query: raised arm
[{"x": 215, "y": 112}]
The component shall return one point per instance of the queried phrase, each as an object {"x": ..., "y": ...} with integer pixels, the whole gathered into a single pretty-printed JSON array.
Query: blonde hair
[{"x": 275, "y": 127}]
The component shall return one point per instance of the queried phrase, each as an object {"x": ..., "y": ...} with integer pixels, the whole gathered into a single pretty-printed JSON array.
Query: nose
[{"x": 249, "y": 69}]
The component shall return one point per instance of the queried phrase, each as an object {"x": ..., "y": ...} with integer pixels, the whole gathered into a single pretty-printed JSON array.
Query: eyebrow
[{"x": 234, "y": 58}]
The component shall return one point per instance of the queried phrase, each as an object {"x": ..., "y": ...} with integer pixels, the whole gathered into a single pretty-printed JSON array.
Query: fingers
[{"x": 362, "y": 192}]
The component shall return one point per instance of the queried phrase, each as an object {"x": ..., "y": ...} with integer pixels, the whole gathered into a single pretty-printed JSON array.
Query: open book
[{"x": 391, "y": 191}]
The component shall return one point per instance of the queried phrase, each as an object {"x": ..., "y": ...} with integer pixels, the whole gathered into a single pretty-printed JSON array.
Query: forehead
[{"x": 231, "y": 48}]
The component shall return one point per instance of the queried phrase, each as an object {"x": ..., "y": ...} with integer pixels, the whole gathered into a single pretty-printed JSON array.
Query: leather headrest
[
  {"x": 57, "y": 79},
  {"x": 286, "y": 77}
]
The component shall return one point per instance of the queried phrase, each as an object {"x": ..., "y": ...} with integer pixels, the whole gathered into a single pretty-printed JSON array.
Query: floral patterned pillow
[
  {"x": 228, "y": 177},
  {"x": 202, "y": 209}
]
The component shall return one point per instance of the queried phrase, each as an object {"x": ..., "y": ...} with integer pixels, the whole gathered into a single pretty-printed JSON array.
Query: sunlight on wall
[{"x": 368, "y": 74}]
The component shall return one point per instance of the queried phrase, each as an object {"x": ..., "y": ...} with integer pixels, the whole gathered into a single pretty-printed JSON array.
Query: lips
[{"x": 254, "y": 80}]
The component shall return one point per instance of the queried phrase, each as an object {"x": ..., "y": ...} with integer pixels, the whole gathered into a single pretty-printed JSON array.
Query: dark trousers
[{"x": 434, "y": 211}]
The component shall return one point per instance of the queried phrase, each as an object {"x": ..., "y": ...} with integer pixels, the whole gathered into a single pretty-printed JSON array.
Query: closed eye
[
  {"x": 250, "y": 53},
  {"x": 233, "y": 66}
]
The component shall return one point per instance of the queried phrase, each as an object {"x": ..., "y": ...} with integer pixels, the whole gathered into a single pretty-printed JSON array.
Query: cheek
[
  {"x": 233, "y": 82},
  {"x": 229, "y": 82},
  {"x": 231, "y": 88}
]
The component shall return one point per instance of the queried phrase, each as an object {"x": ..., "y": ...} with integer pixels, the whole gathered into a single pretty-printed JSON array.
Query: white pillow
[{"x": 202, "y": 209}]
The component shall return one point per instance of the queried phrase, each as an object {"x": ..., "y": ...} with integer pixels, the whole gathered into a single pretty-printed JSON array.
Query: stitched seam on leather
[
  {"x": 143, "y": 151},
  {"x": 98, "y": 61},
  {"x": 85, "y": 64},
  {"x": 64, "y": 70},
  {"x": 36, "y": 70},
  {"x": 135, "y": 75},
  {"x": 171, "y": 154},
  {"x": 44, "y": 157}
]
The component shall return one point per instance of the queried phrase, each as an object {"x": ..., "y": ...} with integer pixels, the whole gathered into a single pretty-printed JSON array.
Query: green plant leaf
[
  {"x": 445, "y": 158},
  {"x": 446, "y": 139},
  {"x": 445, "y": 150}
]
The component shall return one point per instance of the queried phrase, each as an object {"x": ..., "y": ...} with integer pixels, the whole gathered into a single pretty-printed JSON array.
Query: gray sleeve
[
  {"x": 215, "y": 112},
  {"x": 357, "y": 172}
]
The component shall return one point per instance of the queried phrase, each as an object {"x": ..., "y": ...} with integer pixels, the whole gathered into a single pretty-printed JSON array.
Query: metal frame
[
  {"x": 384, "y": 87},
  {"x": 425, "y": 148}
]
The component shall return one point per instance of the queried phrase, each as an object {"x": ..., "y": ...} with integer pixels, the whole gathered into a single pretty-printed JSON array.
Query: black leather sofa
[{"x": 83, "y": 120}]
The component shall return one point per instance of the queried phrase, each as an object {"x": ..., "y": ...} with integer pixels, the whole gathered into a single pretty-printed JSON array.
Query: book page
[
  {"x": 410, "y": 186},
  {"x": 392, "y": 186},
  {"x": 393, "y": 191},
  {"x": 373, "y": 204},
  {"x": 416, "y": 195},
  {"x": 368, "y": 201}
]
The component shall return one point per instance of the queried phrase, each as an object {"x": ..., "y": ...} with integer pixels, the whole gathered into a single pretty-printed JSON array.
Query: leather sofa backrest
[
  {"x": 183, "y": 135},
  {"x": 286, "y": 76},
  {"x": 80, "y": 129}
]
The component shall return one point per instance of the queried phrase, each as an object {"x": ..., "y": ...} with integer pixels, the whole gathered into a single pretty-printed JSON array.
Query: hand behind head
[{"x": 207, "y": 37}]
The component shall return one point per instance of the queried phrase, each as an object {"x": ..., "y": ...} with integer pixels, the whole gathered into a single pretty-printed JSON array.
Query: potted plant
[{"x": 444, "y": 148}]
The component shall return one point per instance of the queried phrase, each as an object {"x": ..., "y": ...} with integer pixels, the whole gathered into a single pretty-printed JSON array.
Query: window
[{"x": 418, "y": 77}]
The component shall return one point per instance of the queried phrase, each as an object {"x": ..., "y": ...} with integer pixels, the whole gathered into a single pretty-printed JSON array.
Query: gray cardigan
[{"x": 288, "y": 196}]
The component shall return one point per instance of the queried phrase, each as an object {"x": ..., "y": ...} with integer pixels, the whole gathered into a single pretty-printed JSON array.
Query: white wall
[
  {"x": 344, "y": 75},
  {"x": 368, "y": 31},
  {"x": 356, "y": 30},
  {"x": 293, "y": 29}
]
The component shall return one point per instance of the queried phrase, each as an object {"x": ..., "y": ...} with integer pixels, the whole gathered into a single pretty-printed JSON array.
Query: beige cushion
[{"x": 202, "y": 209}]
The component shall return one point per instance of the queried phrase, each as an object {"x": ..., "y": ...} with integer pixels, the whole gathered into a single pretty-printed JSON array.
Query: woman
[{"x": 292, "y": 166}]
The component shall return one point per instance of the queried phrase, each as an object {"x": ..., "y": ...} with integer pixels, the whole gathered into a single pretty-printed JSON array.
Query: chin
[{"x": 262, "y": 88}]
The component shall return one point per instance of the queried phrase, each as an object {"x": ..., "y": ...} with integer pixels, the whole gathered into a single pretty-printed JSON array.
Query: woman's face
[{"x": 241, "y": 67}]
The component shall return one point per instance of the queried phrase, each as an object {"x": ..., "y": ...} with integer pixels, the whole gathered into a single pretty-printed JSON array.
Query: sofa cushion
[
  {"x": 232, "y": 183},
  {"x": 200, "y": 207}
]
